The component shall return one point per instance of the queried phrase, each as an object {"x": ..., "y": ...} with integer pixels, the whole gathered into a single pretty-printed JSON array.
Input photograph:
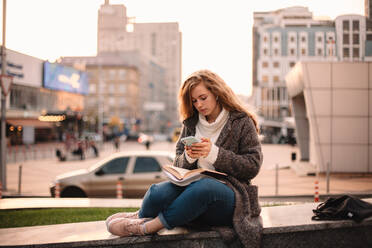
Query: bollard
[
  {"x": 1, "y": 189},
  {"x": 119, "y": 190},
  {"x": 57, "y": 191},
  {"x": 15, "y": 154},
  {"x": 328, "y": 177},
  {"x": 293, "y": 156},
  {"x": 276, "y": 179},
  {"x": 19, "y": 179},
  {"x": 23, "y": 152},
  {"x": 316, "y": 194}
]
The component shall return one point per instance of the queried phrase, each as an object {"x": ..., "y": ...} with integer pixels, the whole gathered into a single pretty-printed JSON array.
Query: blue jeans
[{"x": 207, "y": 200}]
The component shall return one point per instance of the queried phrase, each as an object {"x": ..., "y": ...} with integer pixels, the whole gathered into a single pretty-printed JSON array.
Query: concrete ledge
[
  {"x": 284, "y": 226},
  {"x": 21, "y": 203}
]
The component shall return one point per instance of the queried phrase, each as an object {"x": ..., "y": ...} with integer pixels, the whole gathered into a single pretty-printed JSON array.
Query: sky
[{"x": 216, "y": 34}]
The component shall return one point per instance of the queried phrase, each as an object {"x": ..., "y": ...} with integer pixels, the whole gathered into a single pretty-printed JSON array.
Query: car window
[
  {"x": 146, "y": 164},
  {"x": 116, "y": 166}
]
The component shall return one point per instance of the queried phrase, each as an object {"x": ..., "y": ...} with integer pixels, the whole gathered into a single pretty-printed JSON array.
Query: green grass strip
[
  {"x": 50, "y": 216},
  {"x": 35, "y": 217}
]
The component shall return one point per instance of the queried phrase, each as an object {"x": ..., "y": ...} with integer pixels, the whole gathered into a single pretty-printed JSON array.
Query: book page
[
  {"x": 181, "y": 173},
  {"x": 176, "y": 171}
]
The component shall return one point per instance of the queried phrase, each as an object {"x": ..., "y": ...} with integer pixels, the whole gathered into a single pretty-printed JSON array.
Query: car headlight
[{"x": 53, "y": 183}]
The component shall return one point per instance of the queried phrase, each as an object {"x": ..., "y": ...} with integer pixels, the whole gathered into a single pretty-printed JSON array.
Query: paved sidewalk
[{"x": 292, "y": 181}]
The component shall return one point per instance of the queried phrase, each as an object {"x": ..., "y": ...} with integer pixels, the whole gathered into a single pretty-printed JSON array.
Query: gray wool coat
[{"x": 239, "y": 156}]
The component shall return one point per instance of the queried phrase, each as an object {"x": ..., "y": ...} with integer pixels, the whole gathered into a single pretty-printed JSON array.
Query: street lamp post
[{"x": 6, "y": 82}]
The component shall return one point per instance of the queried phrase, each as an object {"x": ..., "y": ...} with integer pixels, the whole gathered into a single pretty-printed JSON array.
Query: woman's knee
[
  {"x": 160, "y": 192},
  {"x": 208, "y": 188}
]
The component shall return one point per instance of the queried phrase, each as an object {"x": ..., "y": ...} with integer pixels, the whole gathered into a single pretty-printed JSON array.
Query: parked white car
[{"x": 136, "y": 170}]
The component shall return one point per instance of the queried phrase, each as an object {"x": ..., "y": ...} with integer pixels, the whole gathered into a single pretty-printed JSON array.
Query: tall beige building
[{"x": 159, "y": 42}]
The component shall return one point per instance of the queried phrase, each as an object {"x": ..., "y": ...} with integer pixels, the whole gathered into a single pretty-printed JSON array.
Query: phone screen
[{"x": 188, "y": 141}]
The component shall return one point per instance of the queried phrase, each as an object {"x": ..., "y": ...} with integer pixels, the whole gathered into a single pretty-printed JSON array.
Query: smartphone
[{"x": 188, "y": 141}]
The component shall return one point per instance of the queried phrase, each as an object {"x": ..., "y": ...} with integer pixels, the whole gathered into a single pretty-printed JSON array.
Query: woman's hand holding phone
[{"x": 199, "y": 149}]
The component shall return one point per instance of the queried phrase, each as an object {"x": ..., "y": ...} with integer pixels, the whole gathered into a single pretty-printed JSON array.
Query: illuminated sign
[{"x": 59, "y": 77}]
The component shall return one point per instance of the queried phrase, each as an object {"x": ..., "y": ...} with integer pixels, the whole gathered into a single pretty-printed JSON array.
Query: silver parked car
[{"x": 136, "y": 170}]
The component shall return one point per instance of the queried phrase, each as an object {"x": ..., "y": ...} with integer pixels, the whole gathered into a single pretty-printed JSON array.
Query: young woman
[{"x": 229, "y": 143}]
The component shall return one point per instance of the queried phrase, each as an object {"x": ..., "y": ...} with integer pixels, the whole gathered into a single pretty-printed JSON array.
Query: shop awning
[{"x": 30, "y": 122}]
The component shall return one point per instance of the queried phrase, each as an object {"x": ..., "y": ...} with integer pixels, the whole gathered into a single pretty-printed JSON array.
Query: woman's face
[{"x": 205, "y": 102}]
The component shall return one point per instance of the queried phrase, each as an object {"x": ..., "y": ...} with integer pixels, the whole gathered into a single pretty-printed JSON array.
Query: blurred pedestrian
[
  {"x": 147, "y": 144},
  {"x": 94, "y": 147},
  {"x": 117, "y": 143}
]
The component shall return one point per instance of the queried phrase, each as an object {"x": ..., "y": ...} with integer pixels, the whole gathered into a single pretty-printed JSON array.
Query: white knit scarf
[{"x": 211, "y": 130}]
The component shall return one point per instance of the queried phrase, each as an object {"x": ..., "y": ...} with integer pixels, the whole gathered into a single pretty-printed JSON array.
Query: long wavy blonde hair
[{"x": 214, "y": 83}]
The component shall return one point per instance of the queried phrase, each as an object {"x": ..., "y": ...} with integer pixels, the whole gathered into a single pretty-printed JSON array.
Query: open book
[{"x": 183, "y": 177}]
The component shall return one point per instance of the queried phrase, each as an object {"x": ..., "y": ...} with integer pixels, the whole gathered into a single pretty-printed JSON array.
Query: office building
[
  {"x": 160, "y": 42},
  {"x": 286, "y": 36},
  {"x": 124, "y": 87}
]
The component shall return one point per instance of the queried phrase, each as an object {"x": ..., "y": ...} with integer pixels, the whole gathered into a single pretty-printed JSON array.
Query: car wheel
[{"x": 73, "y": 192}]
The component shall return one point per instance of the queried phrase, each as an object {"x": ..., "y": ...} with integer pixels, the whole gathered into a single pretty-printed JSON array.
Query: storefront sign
[{"x": 25, "y": 70}]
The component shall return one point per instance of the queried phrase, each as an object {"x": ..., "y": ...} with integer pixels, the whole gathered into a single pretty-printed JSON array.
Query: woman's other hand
[{"x": 199, "y": 150}]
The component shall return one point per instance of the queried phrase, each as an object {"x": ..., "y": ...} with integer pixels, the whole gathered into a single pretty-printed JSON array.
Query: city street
[{"x": 36, "y": 175}]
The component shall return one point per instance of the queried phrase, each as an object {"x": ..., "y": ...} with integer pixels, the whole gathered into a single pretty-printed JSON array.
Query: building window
[
  {"x": 112, "y": 74},
  {"x": 122, "y": 101},
  {"x": 92, "y": 101},
  {"x": 303, "y": 39},
  {"x": 111, "y": 89},
  {"x": 263, "y": 94},
  {"x": 102, "y": 88},
  {"x": 276, "y": 64},
  {"x": 265, "y": 38},
  {"x": 276, "y": 51},
  {"x": 122, "y": 73},
  {"x": 265, "y": 79},
  {"x": 265, "y": 51},
  {"x": 276, "y": 79},
  {"x": 346, "y": 52},
  {"x": 276, "y": 39},
  {"x": 265, "y": 64},
  {"x": 369, "y": 24},
  {"x": 292, "y": 51},
  {"x": 92, "y": 88},
  {"x": 122, "y": 88},
  {"x": 355, "y": 52},
  {"x": 345, "y": 39},
  {"x": 278, "y": 90},
  {"x": 355, "y": 25},
  {"x": 355, "y": 39},
  {"x": 292, "y": 39},
  {"x": 303, "y": 51},
  {"x": 369, "y": 36},
  {"x": 320, "y": 39},
  {"x": 345, "y": 25},
  {"x": 291, "y": 64},
  {"x": 153, "y": 44},
  {"x": 273, "y": 94},
  {"x": 319, "y": 52}
]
